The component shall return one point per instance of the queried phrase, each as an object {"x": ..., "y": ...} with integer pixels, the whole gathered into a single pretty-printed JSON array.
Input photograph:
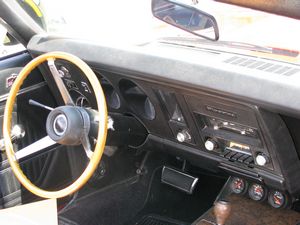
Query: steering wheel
[{"x": 66, "y": 125}]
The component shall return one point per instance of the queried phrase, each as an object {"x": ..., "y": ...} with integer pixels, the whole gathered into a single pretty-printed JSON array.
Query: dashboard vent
[{"x": 261, "y": 65}]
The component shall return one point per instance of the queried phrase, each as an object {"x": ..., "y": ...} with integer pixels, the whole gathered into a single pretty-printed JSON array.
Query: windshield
[{"x": 131, "y": 22}]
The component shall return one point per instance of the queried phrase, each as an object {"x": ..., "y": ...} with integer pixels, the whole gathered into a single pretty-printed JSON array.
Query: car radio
[
  {"x": 233, "y": 141},
  {"x": 230, "y": 130}
]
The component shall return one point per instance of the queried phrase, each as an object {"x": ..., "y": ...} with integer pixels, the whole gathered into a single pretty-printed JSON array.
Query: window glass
[{"x": 8, "y": 44}]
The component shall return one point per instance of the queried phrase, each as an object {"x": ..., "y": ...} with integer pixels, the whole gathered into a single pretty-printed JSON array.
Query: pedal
[{"x": 178, "y": 179}]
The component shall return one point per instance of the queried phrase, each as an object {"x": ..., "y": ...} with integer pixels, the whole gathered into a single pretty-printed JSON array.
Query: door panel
[
  {"x": 14, "y": 61},
  {"x": 10, "y": 192}
]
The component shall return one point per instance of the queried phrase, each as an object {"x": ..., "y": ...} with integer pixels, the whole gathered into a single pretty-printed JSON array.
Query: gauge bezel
[
  {"x": 270, "y": 201},
  {"x": 246, "y": 185},
  {"x": 265, "y": 194}
]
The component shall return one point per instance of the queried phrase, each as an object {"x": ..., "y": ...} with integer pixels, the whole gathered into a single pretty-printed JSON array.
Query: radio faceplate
[
  {"x": 231, "y": 131},
  {"x": 233, "y": 141}
]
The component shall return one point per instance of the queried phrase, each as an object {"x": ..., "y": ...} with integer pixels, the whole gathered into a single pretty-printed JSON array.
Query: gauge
[
  {"x": 238, "y": 185},
  {"x": 276, "y": 199},
  {"x": 257, "y": 192}
]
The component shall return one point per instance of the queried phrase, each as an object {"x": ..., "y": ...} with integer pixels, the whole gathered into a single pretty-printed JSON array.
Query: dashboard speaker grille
[{"x": 261, "y": 65}]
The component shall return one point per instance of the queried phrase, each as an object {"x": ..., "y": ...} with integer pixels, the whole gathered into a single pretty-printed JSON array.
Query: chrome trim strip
[{"x": 24, "y": 90}]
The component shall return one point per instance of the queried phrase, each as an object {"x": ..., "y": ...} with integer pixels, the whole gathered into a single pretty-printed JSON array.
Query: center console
[
  {"x": 245, "y": 212},
  {"x": 241, "y": 204}
]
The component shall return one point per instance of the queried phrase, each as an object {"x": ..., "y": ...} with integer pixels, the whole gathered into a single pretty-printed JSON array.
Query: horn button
[
  {"x": 60, "y": 125},
  {"x": 68, "y": 124}
]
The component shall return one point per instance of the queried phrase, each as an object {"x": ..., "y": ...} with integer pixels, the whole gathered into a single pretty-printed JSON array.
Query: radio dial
[
  {"x": 261, "y": 159},
  {"x": 210, "y": 145}
]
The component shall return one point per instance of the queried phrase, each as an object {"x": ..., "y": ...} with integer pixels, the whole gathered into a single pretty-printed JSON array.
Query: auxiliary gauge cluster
[{"x": 258, "y": 192}]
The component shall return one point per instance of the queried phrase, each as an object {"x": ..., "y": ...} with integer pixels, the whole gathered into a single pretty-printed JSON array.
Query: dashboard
[{"x": 200, "y": 106}]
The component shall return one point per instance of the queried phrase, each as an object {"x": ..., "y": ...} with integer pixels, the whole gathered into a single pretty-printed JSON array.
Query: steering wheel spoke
[
  {"x": 59, "y": 82},
  {"x": 34, "y": 147},
  {"x": 87, "y": 146}
]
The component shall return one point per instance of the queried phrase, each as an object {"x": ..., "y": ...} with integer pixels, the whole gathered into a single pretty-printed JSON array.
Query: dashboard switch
[
  {"x": 64, "y": 72},
  {"x": 183, "y": 136},
  {"x": 230, "y": 154},
  {"x": 249, "y": 160},
  {"x": 243, "y": 158},
  {"x": 210, "y": 145},
  {"x": 261, "y": 159},
  {"x": 237, "y": 156},
  {"x": 225, "y": 152}
]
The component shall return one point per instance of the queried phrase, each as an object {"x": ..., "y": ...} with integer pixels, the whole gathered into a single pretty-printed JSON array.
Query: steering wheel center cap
[
  {"x": 67, "y": 125},
  {"x": 60, "y": 124}
]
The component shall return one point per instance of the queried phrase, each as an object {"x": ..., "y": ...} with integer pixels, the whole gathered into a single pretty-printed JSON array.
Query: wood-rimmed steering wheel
[{"x": 61, "y": 122}]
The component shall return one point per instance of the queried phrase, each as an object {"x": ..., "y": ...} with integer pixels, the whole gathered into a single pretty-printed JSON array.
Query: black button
[
  {"x": 249, "y": 160},
  {"x": 229, "y": 155},
  {"x": 243, "y": 158},
  {"x": 237, "y": 156},
  {"x": 225, "y": 152}
]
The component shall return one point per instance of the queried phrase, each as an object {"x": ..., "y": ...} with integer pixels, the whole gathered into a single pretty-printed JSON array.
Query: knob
[
  {"x": 222, "y": 211},
  {"x": 210, "y": 144},
  {"x": 17, "y": 132},
  {"x": 183, "y": 136},
  {"x": 64, "y": 72},
  {"x": 261, "y": 159}
]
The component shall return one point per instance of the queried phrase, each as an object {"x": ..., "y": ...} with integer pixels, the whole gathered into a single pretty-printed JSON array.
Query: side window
[{"x": 8, "y": 44}]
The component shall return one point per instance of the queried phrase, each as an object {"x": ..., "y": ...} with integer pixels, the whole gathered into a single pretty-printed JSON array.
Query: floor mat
[
  {"x": 158, "y": 220},
  {"x": 132, "y": 201},
  {"x": 65, "y": 221}
]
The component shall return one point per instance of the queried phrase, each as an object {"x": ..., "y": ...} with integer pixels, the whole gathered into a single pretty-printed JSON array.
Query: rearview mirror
[{"x": 186, "y": 18}]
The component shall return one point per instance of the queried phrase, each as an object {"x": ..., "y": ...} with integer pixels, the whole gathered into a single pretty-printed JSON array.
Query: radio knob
[
  {"x": 183, "y": 136},
  {"x": 261, "y": 159},
  {"x": 210, "y": 145}
]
